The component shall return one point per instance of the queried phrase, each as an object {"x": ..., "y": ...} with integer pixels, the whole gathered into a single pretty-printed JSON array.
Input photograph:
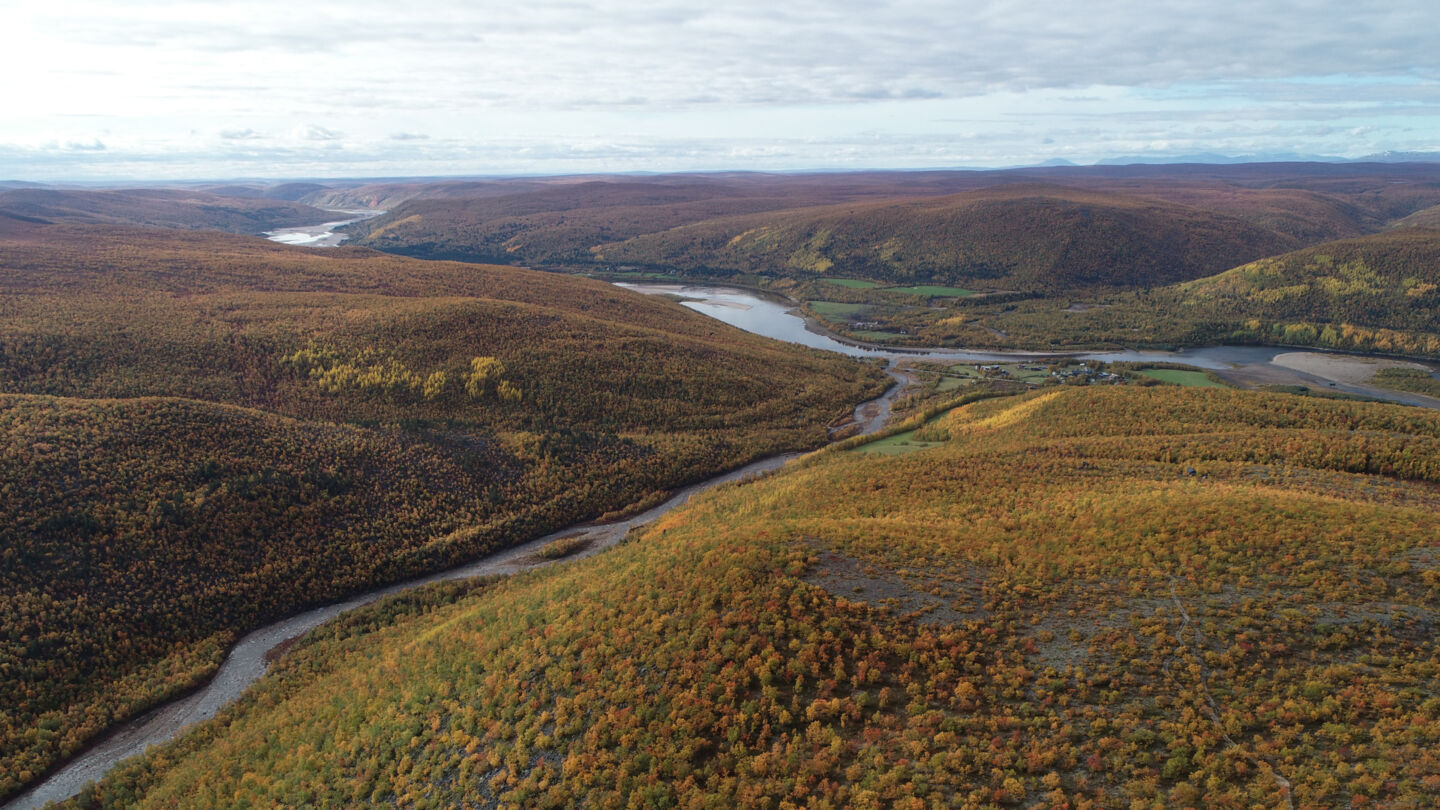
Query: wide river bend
[{"x": 1245, "y": 365}]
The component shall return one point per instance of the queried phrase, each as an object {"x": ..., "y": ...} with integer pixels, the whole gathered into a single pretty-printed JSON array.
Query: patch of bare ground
[
  {"x": 925, "y": 597},
  {"x": 1085, "y": 307},
  {"x": 1423, "y": 559},
  {"x": 558, "y": 549},
  {"x": 279, "y": 650},
  {"x": 1340, "y": 367},
  {"x": 1089, "y": 625},
  {"x": 992, "y": 330}
]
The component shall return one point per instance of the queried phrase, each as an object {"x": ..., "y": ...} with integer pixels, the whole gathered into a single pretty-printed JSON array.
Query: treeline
[
  {"x": 162, "y": 208},
  {"x": 1085, "y": 624}
]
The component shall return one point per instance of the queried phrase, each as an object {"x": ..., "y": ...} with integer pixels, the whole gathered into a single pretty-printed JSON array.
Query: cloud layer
[{"x": 467, "y": 87}]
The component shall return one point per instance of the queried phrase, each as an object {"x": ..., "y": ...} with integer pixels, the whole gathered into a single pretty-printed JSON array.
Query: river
[
  {"x": 1242, "y": 365},
  {"x": 322, "y": 235},
  {"x": 246, "y": 662}
]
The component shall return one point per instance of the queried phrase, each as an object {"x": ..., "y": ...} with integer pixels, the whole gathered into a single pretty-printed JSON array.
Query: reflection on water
[
  {"x": 322, "y": 235},
  {"x": 776, "y": 319}
]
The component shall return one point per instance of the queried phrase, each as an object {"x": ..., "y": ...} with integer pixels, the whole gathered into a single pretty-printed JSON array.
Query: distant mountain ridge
[{"x": 158, "y": 207}]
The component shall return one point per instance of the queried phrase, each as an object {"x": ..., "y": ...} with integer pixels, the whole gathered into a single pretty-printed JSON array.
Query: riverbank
[
  {"x": 326, "y": 234},
  {"x": 1245, "y": 366}
]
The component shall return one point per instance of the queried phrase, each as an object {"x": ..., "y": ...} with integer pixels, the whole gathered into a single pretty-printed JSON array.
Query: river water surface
[
  {"x": 1244, "y": 365},
  {"x": 322, "y": 235}
]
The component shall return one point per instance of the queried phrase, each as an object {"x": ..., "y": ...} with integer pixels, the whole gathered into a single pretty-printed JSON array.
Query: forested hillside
[
  {"x": 1376, "y": 293},
  {"x": 1021, "y": 237},
  {"x": 185, "y": 209},
  {"x": 1077, "y": 597},
  {"x": 1075, "y": 227},
  {"x": 202, "y": 433}
]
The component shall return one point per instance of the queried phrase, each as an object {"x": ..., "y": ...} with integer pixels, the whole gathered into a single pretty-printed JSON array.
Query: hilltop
[
  {"x": 1093, "y": 597},
  {"x": 207, "y": 432}
]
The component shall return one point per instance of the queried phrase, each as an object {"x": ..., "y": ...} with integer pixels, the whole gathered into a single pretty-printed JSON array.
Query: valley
[
  {"x": 205, "y": 433},
  {"x": 291, "y": 513},
  {"x": 720, "y": 406}
]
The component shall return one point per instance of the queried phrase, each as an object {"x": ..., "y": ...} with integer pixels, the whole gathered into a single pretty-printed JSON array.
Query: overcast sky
[{"x": 150, "y": 89}]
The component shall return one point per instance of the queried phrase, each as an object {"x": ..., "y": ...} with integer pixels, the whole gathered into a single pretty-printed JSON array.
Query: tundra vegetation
[
  {"x": 1084, "y": 596},
  {"x": 200, "y": 434},
  {"x": 1079, "y": 596}
]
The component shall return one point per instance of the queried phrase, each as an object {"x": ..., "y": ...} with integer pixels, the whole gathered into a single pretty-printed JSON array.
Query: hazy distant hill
[
  {"x": 557, "y": 224},
  {"x": 685, "y": 222},
  {"x": 280, "y": 191},
  {"x": 164, "y": 208},
  {"x": 1020, "y": 237}
]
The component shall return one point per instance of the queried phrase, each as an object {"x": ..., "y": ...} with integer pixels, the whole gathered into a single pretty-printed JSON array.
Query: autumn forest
[{"x": 1035, "y": 580}]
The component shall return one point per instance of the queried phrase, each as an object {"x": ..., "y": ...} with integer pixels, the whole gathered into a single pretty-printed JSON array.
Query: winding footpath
[{"x": 246, "y": 663}]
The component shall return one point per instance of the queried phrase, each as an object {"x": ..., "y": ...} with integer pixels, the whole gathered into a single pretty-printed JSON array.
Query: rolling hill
[
  {"x": 1375, "y": 293},
  {"x": 203, "y": 433},
  {"x": 1080, "y": 597},
  {"x": 1019, "y": 237},
  {"x": 164, "y": 208},
  {"x": 559, "y": 220},
  {"x": 1424, "y": 218}
]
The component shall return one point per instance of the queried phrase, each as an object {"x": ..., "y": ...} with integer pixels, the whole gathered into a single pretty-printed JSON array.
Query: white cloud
[
  {"x": 83, "y": 145},
  {"x": 640, "y": 76},
  {"x": 312, "y": 132}
]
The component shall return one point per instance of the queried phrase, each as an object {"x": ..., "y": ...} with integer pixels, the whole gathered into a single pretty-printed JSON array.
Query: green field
[
  {"x": 1034, "y": 375},
  {"x": 932, "y": 291},
  {"x": 852, "y": 283},
  {"x": 836, "y": 309},
  {"x": 1176, "y": 376},
  {"x": 1407, "y": 379},
  {"x": 895, "y": 445}
]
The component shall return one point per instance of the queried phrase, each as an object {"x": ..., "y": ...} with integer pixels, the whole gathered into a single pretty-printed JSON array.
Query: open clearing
[
  {"x": 837, "y": 309},
  {"x": 895, "y": 445},
  {"x": 932, "y": 291},
  {"x": 1176, "y": 376}
]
